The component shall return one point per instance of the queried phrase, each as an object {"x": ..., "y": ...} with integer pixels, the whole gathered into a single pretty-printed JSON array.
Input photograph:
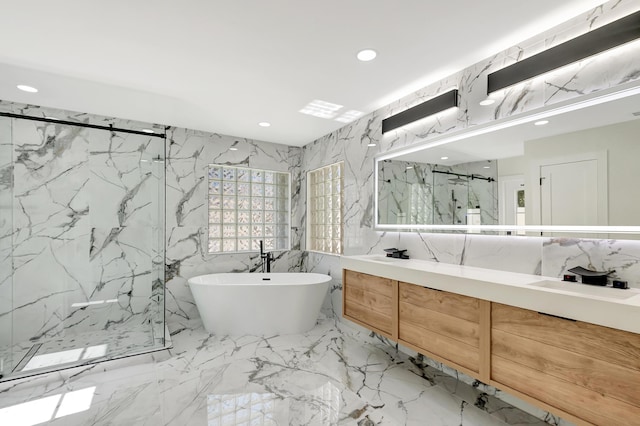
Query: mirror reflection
[
  {"x": 415, "y": 193},
  {"x": 578, "y": 168}
]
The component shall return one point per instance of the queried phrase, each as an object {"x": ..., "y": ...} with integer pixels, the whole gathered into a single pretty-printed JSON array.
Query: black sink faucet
[{"x": 266, "y": 258}]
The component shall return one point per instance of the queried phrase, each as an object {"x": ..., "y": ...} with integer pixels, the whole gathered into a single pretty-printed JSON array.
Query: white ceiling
[{"x": 225, "y": 66}]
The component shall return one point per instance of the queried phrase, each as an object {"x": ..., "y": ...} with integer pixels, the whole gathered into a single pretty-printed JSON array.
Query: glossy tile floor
[
  {"x": 55, "y": 353},
  {"x": 333, "y": 374}
]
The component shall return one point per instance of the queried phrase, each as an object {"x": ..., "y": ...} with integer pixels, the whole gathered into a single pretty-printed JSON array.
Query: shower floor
[{"x": 29, "y": 357}]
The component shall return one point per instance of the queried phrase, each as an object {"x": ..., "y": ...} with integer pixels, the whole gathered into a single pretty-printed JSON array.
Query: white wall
[{"x": 621, "y": 142}]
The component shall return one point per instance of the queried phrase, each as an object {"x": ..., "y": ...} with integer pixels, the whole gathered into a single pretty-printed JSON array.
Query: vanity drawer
[
  {"x": 370, "y": 300},
  {"x": 589, "y": 371},
  {"x": 442, "y": 324}
]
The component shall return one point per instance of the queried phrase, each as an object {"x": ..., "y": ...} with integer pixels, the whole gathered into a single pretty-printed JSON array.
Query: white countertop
[{"x": 609, "y": 307}]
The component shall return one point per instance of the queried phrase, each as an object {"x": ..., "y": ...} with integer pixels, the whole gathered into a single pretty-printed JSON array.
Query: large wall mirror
[{"x": 568, "y": 169}]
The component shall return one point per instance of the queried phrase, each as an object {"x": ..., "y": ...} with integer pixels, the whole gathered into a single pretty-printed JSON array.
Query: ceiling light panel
[{"x": 321, "y": 109}]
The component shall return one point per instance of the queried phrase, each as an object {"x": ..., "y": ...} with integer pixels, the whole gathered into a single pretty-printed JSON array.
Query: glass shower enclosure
[{"x": 81, "y": 243}]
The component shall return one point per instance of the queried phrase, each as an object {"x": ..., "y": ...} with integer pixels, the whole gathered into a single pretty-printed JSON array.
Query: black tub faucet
[{"x": 266, "y": 258}]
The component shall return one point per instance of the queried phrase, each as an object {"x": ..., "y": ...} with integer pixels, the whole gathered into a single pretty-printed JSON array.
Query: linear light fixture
[
  {"x": 604, "y": 38},
  {"x": 439, "y": 103}
]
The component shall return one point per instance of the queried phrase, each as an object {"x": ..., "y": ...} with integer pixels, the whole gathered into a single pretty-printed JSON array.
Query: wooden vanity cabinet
[
  {"x": 588, "y": 371},
  {"x": 444, "y": 326},
  {"x": 371, "y": 301}
]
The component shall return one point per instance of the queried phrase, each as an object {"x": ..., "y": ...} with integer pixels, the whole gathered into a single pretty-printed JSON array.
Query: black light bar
[
  {"x": 425, "y": 109},
  {"x": 604, "y": 38}
]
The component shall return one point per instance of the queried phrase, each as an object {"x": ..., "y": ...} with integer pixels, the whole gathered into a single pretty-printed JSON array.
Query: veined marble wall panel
[
  {"x": 50, "y": 273},
  {"x": 85, "y": 202},
  {"x": 50, "y": 228},
  {"x": 121, "y": 269},
  {"x": 329, "y": 265},
  {"x": 123, "y": 185},
  {"x": 6, "y": 230},
  {"x": 298, "y": 206},
  {"x": 359, "y": 236},
  {"x": 50, "y": 178},
  {"x": 623, "y": 256},
  {"x": 189, "y": 154}
]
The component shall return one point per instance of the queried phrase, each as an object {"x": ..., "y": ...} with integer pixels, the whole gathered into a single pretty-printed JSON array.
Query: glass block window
[
  {"x": 246, "y": 206},
  {"x": 324, "y": 209}
]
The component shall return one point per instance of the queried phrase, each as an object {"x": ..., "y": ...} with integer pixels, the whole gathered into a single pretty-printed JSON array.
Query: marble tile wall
[{"x": 81, "y": 221}]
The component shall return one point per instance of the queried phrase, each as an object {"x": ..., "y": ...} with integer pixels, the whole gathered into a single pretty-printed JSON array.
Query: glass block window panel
[
  {"x": 246, "y": 206},
  {"x": 324, "y": 209}
]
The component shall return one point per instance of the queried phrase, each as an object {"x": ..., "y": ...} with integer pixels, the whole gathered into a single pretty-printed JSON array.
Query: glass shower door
[
  {"x": 6, "y": 227},
  {"x": 86, "y": 246}
]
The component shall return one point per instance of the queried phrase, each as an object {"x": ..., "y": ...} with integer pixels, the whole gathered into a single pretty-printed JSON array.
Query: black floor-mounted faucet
[{"x": 266, "y": 258}]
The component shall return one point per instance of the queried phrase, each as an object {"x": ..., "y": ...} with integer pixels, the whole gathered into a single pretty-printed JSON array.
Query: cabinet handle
[{"x": 557, "y": 316}]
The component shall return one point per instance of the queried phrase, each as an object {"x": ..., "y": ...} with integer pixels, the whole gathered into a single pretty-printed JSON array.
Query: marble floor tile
[
  {"x": 334, "y": 374},
  {"x": 84, "y": 347}
]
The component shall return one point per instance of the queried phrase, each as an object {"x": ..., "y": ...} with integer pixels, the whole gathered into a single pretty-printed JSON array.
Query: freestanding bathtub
[{"x": 259, "y": 304}]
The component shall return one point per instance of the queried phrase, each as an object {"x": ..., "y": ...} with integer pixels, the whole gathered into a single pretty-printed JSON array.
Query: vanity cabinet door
[
  {"x": 370, "y": 301},
  {"x": 589, "y": 371},
  {"x": 442, "y": 325}
]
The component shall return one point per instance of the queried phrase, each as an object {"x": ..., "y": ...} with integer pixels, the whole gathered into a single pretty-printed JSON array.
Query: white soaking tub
[{"x": 259, "y": 304}]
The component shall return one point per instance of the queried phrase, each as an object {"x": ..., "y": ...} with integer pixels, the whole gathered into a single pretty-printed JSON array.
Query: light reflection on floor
[
  {"x": 319, "y": 407},
  {"x": 65, "y": 357},
  {"x": 47, "y": 408}
]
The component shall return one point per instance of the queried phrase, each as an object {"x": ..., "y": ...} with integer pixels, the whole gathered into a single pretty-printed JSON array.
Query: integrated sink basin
[
  {"x": 382, "y": 259},
  {"x": 588, "y": 290}
]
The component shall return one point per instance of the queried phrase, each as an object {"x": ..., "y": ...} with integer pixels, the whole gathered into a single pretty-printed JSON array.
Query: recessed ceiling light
[
  {"x": 486, "y": 167},
  {"x": 371, "y": 144},
  {"x": 148, "y": 131},
  {"x": 366, "y": 55},
  {"x": 444, "y": 158},
  {"x": 541, "y": 122},
  {"x": 487, "y": 101},
  {"x": 233, "y": 149},
  {"x": 26, "y": 88},
  {"x": 48, "y": 117},
  {"x": 409, "y": 167},
  {"x": 264, "y": 124}
]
